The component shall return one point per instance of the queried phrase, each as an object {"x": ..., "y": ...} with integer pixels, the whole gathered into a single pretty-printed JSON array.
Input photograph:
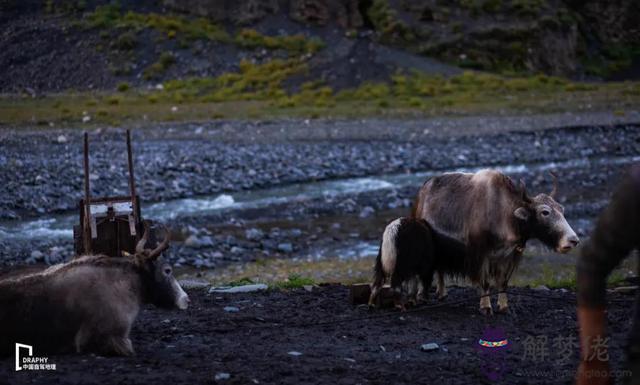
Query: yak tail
[
  {"x": 417, "y": 203},
  {"x": 378, "y": 272}
]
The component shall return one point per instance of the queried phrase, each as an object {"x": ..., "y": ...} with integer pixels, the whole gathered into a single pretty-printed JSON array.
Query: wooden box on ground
[{"x": 359, "y": 294}]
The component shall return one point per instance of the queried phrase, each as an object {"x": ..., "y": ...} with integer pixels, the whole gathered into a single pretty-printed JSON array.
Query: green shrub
[
  {"x": 491, "y": 6},
  {"x": 113, "y": 100},
  {"x": 157, "y": 69},
  {"x": 123, "y": 87},
  {"x": 387, "y": 23},
  {"x": 126, "y": 41},
  {"x": 111, "y": 16},
  {"x": 294, "y": 44}
]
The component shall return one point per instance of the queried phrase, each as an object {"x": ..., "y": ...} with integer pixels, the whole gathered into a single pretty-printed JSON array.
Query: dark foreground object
[{"x": 193, "y": 346}]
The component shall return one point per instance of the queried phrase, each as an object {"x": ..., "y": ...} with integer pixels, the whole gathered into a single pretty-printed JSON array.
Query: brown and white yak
[{"x": 494, "y": 218}]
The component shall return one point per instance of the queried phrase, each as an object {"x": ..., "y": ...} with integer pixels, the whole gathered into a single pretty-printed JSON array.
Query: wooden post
[
  {"x": 86, "y": 230},
  {"x": 132, "y": 188}
]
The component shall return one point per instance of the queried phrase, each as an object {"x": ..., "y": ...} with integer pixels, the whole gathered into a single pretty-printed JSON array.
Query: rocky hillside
[{"x": 62, "y": 45}]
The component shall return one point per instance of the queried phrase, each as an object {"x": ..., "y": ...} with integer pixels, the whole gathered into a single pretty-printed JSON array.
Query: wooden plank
[{"x": 359, "y": 294}]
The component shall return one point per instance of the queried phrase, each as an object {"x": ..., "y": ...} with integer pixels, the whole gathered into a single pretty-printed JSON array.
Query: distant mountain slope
[{"x": 58, "y": 45}]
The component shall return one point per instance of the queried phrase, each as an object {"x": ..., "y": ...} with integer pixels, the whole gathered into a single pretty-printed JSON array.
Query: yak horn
[
  {"x": 143, "y": 241},
  {"x": 163, "y": 245},
  {"x": 523, "y": 191},
  {"x": 555, "y": 184}
]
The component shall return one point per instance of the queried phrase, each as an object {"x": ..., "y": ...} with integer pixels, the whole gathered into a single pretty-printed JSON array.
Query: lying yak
[
  {"x": 410, "y": 252},
  {"x": 89, "y": 303},
  {"x": 494, "y": 218}
]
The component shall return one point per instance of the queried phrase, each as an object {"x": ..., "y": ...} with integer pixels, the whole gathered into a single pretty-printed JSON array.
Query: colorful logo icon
[{"x": 493, "y": 348}]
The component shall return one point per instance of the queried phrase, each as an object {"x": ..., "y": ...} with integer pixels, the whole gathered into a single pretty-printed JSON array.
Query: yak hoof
[
  {"x": 401, "y": 307},
  {"x": 503, "y": 309},
  {"x": 486, "y": 310}
]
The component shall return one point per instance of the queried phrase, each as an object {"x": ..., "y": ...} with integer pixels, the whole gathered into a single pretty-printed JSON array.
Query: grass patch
[
  {"x": 186, "y": 29},
  {"x": 259, "y": 91},
  {"x": 294, "y": 44},
  {"x": 294, "y": 281},
  {"x": 112, "y": 17},
  {"x": 252, "y": 82}
]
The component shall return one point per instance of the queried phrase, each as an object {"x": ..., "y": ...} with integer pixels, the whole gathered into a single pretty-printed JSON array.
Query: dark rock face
[
  {"x": 237, "y": 12},
  {"x": 613, "y": 21},
  {"x": 317, "y": 12},
  {"x": 344, "y": 12}
]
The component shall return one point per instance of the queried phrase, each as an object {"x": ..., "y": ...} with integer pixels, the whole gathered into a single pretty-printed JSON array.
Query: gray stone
[
  {"x": 294, "y": 353},
  {"x": 193, "y": 284},
  {"x": 37, "y": 255},
  {"x": 196, "y": 242},
  {"x": 431, "y": 346},
  {"x": 231, "y": 309},
  {"x": 285, "y": 247},
  {"x": 239, "y": 289},
  {"x": 367, "y": 212},
  {"x": 254, "y": 234},
  {"x": 625, "y": 289},
  {"x": 222, "y": 376}
]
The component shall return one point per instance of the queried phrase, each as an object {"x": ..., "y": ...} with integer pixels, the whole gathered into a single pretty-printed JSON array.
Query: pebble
[
  {"x": 37, "y": 255},
  {"x": 198, "y": 242},
  {"x": 367, "y": 211},
  {"x": 285, "y": 247},
  {"x": 254, "y": 234},
  {"x": 231, "y": 309},
  {"x": 222, "y": 376},
  {"x": 294, "y": 353}
]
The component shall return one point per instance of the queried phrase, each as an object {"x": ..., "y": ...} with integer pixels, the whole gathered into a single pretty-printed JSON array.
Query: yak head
[
  {"x": 543, "y": 218},
  {"x": 160, "y": 286}
]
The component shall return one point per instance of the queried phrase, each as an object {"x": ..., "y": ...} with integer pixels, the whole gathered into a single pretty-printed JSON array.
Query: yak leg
[
  {"x": 485, "y": 300},
  {"x": 425, "y": 285},
  {"x": 375, "y": 290},
  {"x": 412, "y": 290},
  {"x": 82, "y": 338},
  {"x": 441, "y": 290},
  {"x": 399, "y": 298},
  {"x": 119, "y": 346},
  {"x": 115, "y": 336},
  {"x": 502, "y": 283}
]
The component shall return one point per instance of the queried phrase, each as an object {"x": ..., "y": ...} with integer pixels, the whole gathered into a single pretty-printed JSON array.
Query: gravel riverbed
[{"x": 42, "y": 174}]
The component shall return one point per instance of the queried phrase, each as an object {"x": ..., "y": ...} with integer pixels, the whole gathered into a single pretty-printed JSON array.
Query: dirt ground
[{"x": 254, "y": 344}]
